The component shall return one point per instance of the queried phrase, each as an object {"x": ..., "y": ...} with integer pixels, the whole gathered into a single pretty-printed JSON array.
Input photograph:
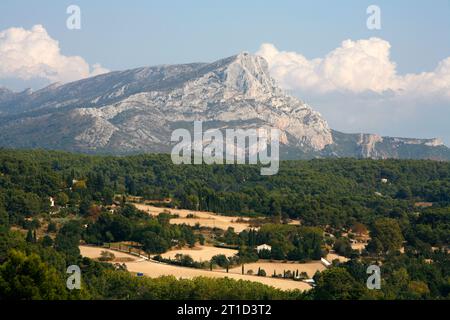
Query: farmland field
[
  {"x": 200, "y": 253},
  {"x": 154, "y": 269},
  {"x": 279, "y": 267},
  {"x": 204, "y": 219}
]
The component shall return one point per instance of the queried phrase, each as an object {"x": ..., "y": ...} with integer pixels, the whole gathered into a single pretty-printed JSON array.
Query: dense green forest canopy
[{"x": 333, "y": 191}]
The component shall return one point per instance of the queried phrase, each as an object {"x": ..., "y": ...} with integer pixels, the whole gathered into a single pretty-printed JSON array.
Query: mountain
[{"x": 136, "y": 111}]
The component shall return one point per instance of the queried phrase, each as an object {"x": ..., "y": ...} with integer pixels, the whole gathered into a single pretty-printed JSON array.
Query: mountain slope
[{"x": 137, "y": 110}]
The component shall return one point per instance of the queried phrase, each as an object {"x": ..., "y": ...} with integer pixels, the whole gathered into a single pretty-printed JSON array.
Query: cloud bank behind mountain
[
  {"x": 32, "y": 55},
  {"x": 357, "y": 88}
]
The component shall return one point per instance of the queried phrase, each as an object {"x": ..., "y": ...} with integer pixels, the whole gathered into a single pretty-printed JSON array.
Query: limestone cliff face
[
  {"x": 368, "y": 144},
  {"x": 135, "y": 110}
]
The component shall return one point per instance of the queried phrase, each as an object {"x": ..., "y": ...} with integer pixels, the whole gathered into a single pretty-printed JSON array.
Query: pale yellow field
[
  {"x": 154, "y": 270},
  {"x": 205, "y": 219},
  {"x": 334, "y": 256},
  {"x": 200, "y": 253},
  {"x": 94, "y": 253},
  {"x": 358, "y": 246},
  {"x": 269, "y": 267}
]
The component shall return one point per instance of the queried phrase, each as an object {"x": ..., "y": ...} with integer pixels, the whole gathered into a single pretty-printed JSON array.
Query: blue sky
[{"x": 121, "y": 35}]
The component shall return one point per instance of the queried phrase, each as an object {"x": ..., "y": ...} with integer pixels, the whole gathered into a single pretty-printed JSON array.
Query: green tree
[
  {"x": 51, "y": 228},
  {"x": 68, "y": 239},
  {"x": 30, "y": 236},
  {"x": 47, "y": 241},
  {"x": 27, "y": 277},
  {"x": 153, "y": 243},
  {"x": 221, "y": 260},
  {"x": 343, "y": 247},
  {"x": 387, "y": 232},
  {"x": 4, "y": 218},
  {"x": 62, "y": 199},
  {"x": 337, "y": 284}
]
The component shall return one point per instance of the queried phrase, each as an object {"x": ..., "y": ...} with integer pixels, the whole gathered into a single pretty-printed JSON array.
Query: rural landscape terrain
[
  {"x": 140, "y": 227},
  {"x": 179, "y": 151}
]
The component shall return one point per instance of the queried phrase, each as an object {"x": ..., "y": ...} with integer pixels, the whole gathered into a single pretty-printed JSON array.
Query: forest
[{"x": 404, "y": 205}]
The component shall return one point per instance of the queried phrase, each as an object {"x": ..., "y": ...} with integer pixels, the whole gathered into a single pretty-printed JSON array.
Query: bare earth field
[
  {"x": 269, "y": 267},
  {"x": 200, "y": 253},
  {"x": 153, "y": 269},
  {"x": 205, "y": 219},
  {"x": 334, "y": 256}
]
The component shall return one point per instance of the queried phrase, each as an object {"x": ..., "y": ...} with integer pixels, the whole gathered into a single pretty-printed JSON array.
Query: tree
[
  {"x": 68, "y": 239},
  {"x": 359, "y": 228},
  {"x": 62, "y": 199},
  {"x": 106, "y": 256},
  {"x": 84, "y": 207},
  {"x": 343, "y": 247},
  {"x": 153, "y": 243},
  {"x": 387, "y": 232},
  {"x": 4, "y": 218},
  {"x": 277, "y": 252},
  {"x": 337, "y": 284},
  {"x": 47, "y": 241},
  {"x": 27, "y": 277},
  {"x": 121, "y": 228},
  {"x": 30, "y": 236},
  {"x": 418, "y": 289},
  {"x": 221, "y": 260},
  {"x": 51, "y": 228}
]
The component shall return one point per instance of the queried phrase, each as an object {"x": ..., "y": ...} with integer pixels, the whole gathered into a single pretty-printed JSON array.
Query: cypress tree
[{"x": 29, "y": 237}]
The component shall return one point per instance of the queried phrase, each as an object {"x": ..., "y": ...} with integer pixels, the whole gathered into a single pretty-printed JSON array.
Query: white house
[
  {"x": 263, "y": 247},
  {"x": 325, "y": 262},
  {"x": 52, "y": 202},
  {"x": 384, "y": 180},
  {"x": 310, "y": 281}
]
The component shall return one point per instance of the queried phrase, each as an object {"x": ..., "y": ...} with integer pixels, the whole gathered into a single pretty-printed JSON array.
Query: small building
[
  {"x": 325, "y": 262},
  {"x": 384, "y": 180},
  {"x": 52, "y": 202},
  {"x": 263, "y": 247}
]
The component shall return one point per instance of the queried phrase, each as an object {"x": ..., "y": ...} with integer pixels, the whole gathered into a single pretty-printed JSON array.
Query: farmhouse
[{"x": 263, "y": 247}]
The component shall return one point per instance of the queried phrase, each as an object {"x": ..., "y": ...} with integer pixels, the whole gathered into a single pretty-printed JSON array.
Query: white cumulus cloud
[
  {"x": 355, "y": 67},
  {"x": 33, "y": 54}
]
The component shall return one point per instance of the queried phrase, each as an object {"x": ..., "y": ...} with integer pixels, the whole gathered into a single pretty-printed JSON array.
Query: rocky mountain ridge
[{"x": 136, "y": 111}]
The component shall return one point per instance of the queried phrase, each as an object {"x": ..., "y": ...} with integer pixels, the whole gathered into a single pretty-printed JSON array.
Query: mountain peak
[
  {"x": 137, "y": 110},
  {"x": 246, "y": 73}
]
